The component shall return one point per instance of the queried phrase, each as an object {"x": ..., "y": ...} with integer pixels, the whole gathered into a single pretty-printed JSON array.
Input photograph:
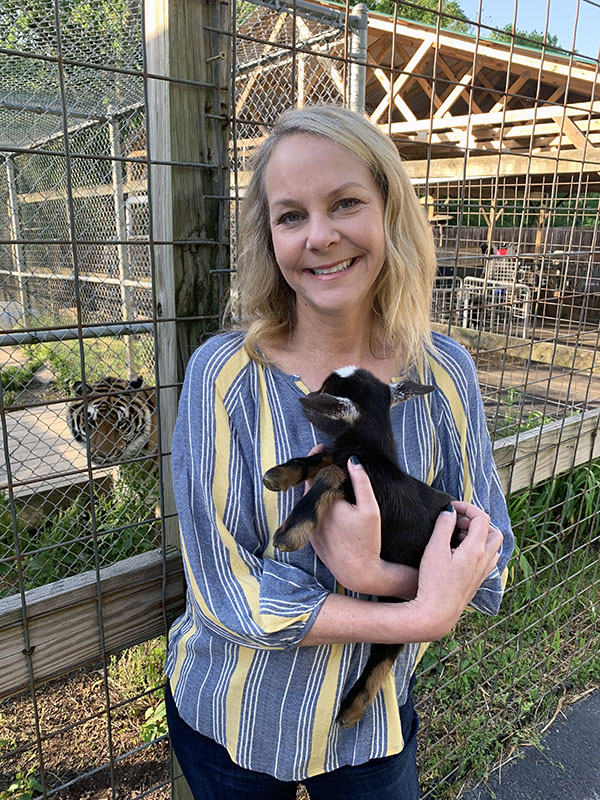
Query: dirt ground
[{"x": 74, "y": 732}]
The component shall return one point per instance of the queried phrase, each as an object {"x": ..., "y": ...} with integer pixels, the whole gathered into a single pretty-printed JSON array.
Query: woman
[{"x": 336, "y": 268}]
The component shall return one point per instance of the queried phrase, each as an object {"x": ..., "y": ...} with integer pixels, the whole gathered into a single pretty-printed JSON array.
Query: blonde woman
[{"x": 336, "y": 268}]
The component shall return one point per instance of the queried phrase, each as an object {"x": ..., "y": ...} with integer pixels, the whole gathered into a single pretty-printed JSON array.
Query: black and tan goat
[{"x": 353, "y": 408}]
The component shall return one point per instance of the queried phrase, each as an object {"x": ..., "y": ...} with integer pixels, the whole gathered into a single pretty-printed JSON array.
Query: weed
[
  {"x": 25, "y": 786},
  {"x": 118, "y": 524}
]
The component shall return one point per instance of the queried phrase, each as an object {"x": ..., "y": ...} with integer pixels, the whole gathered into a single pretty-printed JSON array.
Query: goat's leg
[
  {"x": 295, "y": 532},
  {"x": 370, "y": 681},
  {"x": 294, "y": 471}
]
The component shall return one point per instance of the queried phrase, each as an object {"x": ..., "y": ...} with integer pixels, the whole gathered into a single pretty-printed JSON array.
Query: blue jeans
[{"x": 212, "y": 775}]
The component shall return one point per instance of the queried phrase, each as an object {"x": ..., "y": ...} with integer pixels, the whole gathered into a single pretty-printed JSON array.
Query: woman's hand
[
  {"x": 449, "y": 579},
  {"x": 348, "y": 542}
]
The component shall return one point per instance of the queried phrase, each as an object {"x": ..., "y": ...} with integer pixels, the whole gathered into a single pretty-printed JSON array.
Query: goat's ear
[
  {"x": 338, "y": 408},
  {"x": 406, "y": 389}
]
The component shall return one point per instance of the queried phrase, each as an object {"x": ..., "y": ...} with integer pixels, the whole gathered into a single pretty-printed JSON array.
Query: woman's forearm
[{"x": 342, "y": 619}]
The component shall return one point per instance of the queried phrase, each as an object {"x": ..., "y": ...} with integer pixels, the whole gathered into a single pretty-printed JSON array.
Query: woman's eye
[
  {"x": 348, "y": 202},
  {"x": 289, "y": 216}
]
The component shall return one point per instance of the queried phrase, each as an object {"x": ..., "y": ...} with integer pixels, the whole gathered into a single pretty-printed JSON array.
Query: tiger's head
[{"x": 120, "y": 422}]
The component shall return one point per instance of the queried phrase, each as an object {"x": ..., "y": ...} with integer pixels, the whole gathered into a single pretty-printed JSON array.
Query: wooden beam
[
  {"x": 452, "y": 77},
  {"x": 453, "y": 96},
  {"x": 559, "y": 355},
  {"x": 571, "y": 131},
  {"x": 571, "y": 162},
  {"x": 100, "y": 190},
  {"x": 536, "y": 455},
  {"x": 487, "y": 118},
  {"x": 514, "y": 88},
  {"x": 400, "y": 104},
  {"x": 553, "y": 68},
  {"x": 62, "y": 618},
  {"x": 406, "y": 75}
]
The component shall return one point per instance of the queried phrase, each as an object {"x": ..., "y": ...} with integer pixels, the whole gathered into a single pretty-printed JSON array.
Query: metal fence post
[
  {"x": 358, "y": 58},
  {"x": 15, "y": 232},
  {"x": 121, "y": 226}
]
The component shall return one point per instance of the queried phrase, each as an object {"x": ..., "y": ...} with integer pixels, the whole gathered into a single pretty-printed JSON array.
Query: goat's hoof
[
  {"x": 290, "y": 539},
  {"x": 272, "y": 479},
  {"x": 351, "y": 716}
]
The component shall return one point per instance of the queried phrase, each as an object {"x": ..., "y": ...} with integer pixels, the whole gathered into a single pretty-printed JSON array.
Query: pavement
[{"x": 566, "y": 766}]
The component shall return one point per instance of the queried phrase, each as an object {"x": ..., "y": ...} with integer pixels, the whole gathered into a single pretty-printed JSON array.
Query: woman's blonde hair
[{"x": 404, "y": 286}]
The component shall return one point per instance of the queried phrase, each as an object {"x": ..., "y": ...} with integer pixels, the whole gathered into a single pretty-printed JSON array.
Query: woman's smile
[{"x": 336, "y": 269}]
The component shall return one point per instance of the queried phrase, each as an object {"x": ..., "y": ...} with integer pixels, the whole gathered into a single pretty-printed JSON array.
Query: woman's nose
[{"x": 322, "y": 233}]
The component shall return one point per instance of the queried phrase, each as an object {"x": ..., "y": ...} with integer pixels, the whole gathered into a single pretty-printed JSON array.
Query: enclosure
[{"x": 125, "y": 131}]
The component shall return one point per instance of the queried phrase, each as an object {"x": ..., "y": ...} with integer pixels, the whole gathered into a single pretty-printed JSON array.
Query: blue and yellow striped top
[{"x": 233, "y": 663}]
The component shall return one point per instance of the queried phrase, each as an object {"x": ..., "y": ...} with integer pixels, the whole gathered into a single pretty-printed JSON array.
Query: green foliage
[
  {"x": 121, "y": 523},
  {"x": 102, "y": 356},
  {"x": 427, "y": 12},
  {"x": 155, "y": 722},
  {"x": 139, "y": 671},
  {"x": 515, "y": 421},
  {"x": 17, "y": 377},
  {"x": 495, "y": 681},
  {"x": 25, "y": 786},
  {"x": 524, "y": 38}
]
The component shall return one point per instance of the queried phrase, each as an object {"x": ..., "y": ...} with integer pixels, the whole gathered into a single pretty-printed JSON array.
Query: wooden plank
[
  {"x": 532, "y": 114},
  {"x": 559, "y": 355},
  {"x": 539, "y": 454},
  {"x": 501, "y": 164},
  {"x": 62, "y": 618},
  {"x": 101, "y": 190},
  {"x": 453, "y": 96}
]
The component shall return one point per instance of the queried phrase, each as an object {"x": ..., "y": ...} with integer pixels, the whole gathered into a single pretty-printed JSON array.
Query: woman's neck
[{"x": 315, "y": 349}]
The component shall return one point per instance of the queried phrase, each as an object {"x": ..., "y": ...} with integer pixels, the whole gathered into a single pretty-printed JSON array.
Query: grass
[
  {"x": 490, "y": 686},
  {"x": 102, "y": 356},
  {"x": 119, "y": 524}
]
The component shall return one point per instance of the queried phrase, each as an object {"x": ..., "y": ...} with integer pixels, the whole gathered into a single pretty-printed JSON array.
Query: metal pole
[
  {"x": 15, "y": 231},
  {"x": 121, "y": 225},
  {"x": 358, "y": 58}
]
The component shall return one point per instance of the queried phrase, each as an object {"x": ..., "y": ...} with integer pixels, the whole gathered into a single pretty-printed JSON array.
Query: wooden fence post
[{"x": 188, "y": 114}]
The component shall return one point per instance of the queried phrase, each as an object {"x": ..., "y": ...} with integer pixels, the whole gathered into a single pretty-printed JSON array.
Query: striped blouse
[{"x": 233, "y": 663}]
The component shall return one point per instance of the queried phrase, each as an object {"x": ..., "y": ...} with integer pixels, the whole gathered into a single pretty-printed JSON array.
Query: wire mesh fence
[{"x": 118, "y": 203}]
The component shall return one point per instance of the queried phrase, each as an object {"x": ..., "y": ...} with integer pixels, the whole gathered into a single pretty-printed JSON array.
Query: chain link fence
[{"x": 499, "y": 137}]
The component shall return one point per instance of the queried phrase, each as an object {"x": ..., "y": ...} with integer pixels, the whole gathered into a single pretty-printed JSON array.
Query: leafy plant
[
  {"x": 155, "y": 722},
  {"x": 121, "y": 523},
  {"x": 25, "y": 786}
]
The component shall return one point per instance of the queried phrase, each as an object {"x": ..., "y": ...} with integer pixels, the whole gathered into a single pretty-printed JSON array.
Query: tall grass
[{"x": 491, "y": 684}]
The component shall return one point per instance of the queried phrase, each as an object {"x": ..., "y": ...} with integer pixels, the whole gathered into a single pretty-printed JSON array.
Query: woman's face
[{"x": 327, "y": 225}]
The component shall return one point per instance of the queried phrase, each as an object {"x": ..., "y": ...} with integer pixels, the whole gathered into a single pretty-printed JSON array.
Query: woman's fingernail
[{"x": 355, "y": 460}]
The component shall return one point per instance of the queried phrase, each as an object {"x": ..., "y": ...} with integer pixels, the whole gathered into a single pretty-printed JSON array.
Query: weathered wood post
[{"x": 188, "y": 97}]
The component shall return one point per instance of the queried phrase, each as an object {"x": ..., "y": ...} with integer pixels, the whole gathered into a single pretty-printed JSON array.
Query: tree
[
  {"x": 524, "y": 38},
  {"x": 427, "y": 12}
]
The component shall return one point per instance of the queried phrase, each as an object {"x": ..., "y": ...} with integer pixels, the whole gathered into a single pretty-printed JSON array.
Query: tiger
[{"x": 121, "y": 419}]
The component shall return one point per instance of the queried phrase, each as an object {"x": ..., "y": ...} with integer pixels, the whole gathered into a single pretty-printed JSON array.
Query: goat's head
[{"x": 350, "y": 395}]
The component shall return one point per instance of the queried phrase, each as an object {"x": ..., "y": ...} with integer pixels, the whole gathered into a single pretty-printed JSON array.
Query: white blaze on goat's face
[{"x": 346, "y": 372}]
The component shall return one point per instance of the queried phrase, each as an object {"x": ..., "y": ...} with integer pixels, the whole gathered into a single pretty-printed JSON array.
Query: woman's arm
[{"x": 447, "y": 580}]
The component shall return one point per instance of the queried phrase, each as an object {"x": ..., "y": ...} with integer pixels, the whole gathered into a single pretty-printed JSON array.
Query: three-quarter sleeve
[
  {"x": 468, "y": 470},
  {"x": 237, "y": 593}
]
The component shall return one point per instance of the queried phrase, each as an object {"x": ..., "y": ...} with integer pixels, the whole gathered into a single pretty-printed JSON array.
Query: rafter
[
  {"x": 554, "y": 68},
  {"x": 406, "y": 75}
]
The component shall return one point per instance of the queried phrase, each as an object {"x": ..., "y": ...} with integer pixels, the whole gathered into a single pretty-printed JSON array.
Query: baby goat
[{"x": 353, "y": 408}]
